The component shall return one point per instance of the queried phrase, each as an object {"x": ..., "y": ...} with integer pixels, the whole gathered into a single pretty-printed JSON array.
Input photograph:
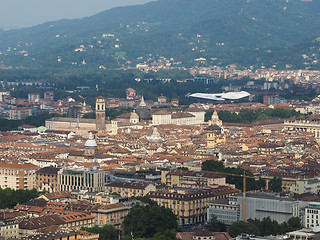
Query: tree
[
  {"x": 264, "y": 227},
  {"x": 146, "y": 221},
  {"x": 212, "y": 165},
  {"x": 10, "y": 198},
  {"x": 106, "y": 232},
  {"x": 183, "y": 168},
  {"x": 275, "y": 184},
  {"x": 295, "y": 223},
  {"x": 240, "y": 227},
  {"x": 146, "y": 200},
  {"x": 216, "y": 226}
]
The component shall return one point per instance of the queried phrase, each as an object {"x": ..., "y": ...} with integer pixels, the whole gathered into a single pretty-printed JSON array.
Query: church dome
[
  {"x": 134, "y": 115},
  {"x": 155, "y": 137},
  {"x": 90, "y": 143}
]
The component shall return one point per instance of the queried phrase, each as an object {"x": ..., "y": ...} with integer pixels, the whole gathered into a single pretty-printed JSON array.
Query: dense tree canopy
[
  {"x": 264, "y": 227},
  {"x": 147, "y": 221},
  {"x": 275, "y": 184},
  {"x": 249, "y": 116},
  {"x": 106, "y": 232},
  {"x": 216, "y": 226},
  {"x": 10, "y": 198}
]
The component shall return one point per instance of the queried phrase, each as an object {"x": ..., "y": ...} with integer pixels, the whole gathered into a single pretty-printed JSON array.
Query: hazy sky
[{"x": 24, "y": 13}]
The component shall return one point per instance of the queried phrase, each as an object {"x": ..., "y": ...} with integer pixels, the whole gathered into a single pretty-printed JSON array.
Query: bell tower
[{"x": 100, "y": 114}]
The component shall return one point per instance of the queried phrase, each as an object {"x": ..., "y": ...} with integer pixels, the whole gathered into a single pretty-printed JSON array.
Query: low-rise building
[
  {"x": 130, "y": 189},
  {"x": 191, "y": 179},
  {"x": 306, "y": 186},
  {"x": 193, "y": 117},
  {"x": 63, "y": 235},
  {"x": 9, "y": 223},
  {"x": 75, "y": 220},
  {"x": 111, "y": 214}
]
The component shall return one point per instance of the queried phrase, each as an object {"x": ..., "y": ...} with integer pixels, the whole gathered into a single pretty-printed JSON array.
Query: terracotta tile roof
[
  {"x": 76, "y": 216},
  {"x": 41, "y": 222},
  {"x": 17, "y": 166},
  {"x": 57, "y": 195},
  {"x": 130, "y": 185}
]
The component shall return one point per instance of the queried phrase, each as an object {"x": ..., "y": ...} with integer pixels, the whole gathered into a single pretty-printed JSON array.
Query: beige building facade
[
  {"x": 18, "y": 176},
  {"x": 190, "y": 205},
  {"x": 130, "y": 189},
  {"x": 191, "y": 117},
  {"x": 305, "y": 124},
  {"x": 190, "y": 179}
]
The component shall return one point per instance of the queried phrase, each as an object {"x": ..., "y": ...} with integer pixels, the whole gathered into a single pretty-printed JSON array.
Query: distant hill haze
[{"x": 220, "y": 32}]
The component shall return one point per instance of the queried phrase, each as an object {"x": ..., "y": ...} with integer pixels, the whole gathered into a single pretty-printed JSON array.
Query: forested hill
[{"x": 247, "y": 32}]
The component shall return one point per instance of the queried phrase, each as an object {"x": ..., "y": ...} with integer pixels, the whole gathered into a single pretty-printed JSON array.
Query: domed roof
[
  {"x": 155, "y": 136},
  {"x": 90, "y": 143},
  {"x": 134, "y": 115},
  {"x": 215, "y": 115}
]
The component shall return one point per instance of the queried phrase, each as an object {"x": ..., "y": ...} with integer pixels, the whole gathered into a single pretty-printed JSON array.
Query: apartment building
[
  {"x": 74, "y": 220},
  {"x": 191, "y": 179},
  {"x": 47, "y": 179},
  {"x": 306, "y": 186},
  {"x": 17, "y": 176},
  {"x": 111, "y": 214},
  {"x": 130, "y": 189},
  {"x": 19, "y": 113},
  {"x": 190, "y": 205}
]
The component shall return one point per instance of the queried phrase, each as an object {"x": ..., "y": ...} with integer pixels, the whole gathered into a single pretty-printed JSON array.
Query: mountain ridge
[{"x": 240, "y": 25}]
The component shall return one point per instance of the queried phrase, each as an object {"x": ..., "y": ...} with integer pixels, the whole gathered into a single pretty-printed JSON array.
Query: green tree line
[
  {"x": 10, "y": 198},
  {"x": 264, "y": 227},
  {"x": 250, "y": 116}
]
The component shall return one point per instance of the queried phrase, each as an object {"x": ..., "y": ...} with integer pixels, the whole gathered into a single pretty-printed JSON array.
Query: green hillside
[{"x": 245, "y": 32}]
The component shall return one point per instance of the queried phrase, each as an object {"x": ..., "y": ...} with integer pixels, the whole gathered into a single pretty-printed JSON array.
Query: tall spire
[{"x": 142, "y": 103}]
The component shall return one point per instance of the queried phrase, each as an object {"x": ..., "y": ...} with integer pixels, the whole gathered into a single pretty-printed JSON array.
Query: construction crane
[{"x": 244, "y": 176}]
